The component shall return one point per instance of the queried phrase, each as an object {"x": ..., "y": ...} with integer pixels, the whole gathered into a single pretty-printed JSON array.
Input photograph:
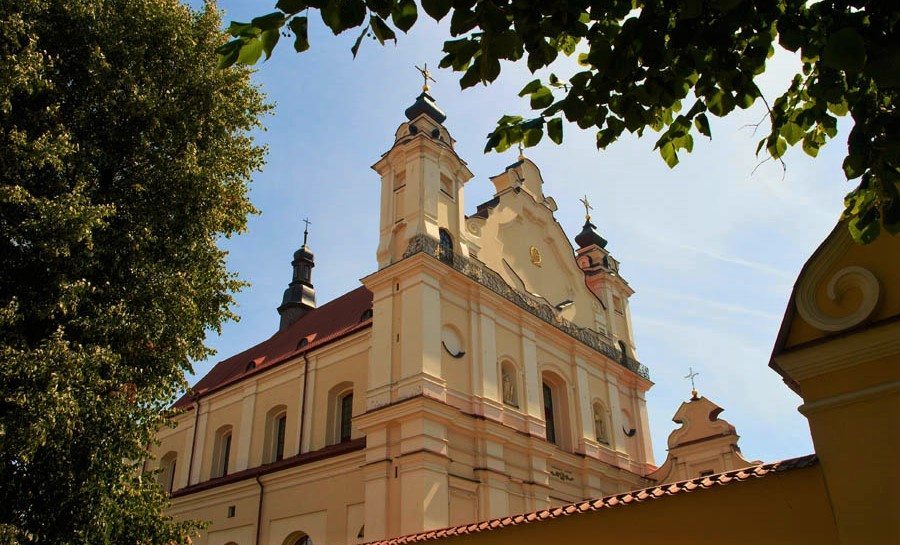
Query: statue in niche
[
  {"x": 509, "y": 388},
  {"x": 600, "y": 425}
]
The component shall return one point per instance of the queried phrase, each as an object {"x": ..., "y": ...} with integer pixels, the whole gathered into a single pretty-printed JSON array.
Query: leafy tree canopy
[
  {"x": 123, "y": 161},
  {"x": 666, "y": 65}
]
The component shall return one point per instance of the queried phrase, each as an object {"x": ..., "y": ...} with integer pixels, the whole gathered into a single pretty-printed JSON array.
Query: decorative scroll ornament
[{"x": 846, "y": 279}]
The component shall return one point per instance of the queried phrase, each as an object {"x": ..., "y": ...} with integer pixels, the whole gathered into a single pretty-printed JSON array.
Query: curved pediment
[{"x": 521, "y": 240}]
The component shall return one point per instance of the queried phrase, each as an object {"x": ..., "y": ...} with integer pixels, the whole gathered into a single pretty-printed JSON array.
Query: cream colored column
[
  {"x": 245, "y": 431},
  {"x": 384, "y": 251},
  {"x": 646, "y": 441},
  {"x": 292, "y": 437},
  {"x": 199, "y": 444},
  {"x": 586, "y": 442},
  {"x": 423, "y": 473},
  {"x": 476, "y": 384},
  {"x": 381, "y": 354},
  {"x": 377, "y": 473},
  {"x": 533, "y": 395},
  {"x": 489, "y": 382},
  {"x": 420, "y": 338},
  {"x": 306, "y": 442},
  {"x": 493, "y": 496},
  {"x": 183, "y": 463},
  {"x": 615, "y": 408}
]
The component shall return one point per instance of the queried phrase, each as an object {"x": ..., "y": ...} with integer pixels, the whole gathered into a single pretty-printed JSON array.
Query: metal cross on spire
[
  {"x": 426, "y": 76},
  {"x": 587, "y": 208},
  {"x": 306, "y": 230},
  {"x": 690, "y": 376}
]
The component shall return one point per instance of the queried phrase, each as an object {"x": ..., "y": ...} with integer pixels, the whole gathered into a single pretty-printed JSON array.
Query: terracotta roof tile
[
  {"x": 319, "y": 326},
  {"x": 637, "y": 496}
]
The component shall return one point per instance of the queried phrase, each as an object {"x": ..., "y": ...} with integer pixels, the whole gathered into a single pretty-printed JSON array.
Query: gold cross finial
[
  {"x": 587, "y": 208},
  {"x": 306, "y": 229},
  {"x": 426, "y": 76},
  {"x": 691, "y": 374}
]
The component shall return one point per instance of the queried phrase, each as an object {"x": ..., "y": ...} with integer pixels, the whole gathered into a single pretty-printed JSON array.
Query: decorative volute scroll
[{"x": 843, "y": 281}]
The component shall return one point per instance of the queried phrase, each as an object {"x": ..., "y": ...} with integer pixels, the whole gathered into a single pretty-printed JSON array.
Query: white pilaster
[{"x": 245, "y": 431}]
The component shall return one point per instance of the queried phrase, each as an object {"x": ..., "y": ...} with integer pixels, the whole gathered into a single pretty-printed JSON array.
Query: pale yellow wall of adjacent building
[
  {"x": 783, "y": 509},
  {"x": 840, "y": 350}
]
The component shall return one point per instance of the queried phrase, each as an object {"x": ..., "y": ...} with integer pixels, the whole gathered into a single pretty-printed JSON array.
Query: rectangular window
[
  {"x": 548, "y": 414},
  {"x": 226, "y": 454},
  {"x": 280, "y": 425},
  {"x": 346, "y": 416}
]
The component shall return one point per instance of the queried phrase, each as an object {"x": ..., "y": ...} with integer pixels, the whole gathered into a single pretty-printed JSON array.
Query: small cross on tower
[
  {"x": 306, "y": 230},
  {"x": 426, "y": 76},
  {"x": 690, "y": 376},
  {"x": 587, "y": 208}
]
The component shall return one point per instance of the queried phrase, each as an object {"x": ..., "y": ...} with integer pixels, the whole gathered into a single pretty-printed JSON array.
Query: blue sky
[{"x": 711, "y": 248}]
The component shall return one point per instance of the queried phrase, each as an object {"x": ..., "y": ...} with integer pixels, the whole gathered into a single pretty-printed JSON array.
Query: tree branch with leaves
[{"x": 666, "y": 65}]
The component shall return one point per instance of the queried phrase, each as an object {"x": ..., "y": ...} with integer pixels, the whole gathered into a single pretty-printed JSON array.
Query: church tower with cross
[
  {"x": 485, "y": 367},
  {"x": 300, "y": 296}
]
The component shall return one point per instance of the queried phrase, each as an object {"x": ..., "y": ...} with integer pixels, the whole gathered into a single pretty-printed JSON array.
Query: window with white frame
[
  {"x": 166, "y": 473},
  {"x": 276, "y": 427},
  {"x": 221, "y": 452}
]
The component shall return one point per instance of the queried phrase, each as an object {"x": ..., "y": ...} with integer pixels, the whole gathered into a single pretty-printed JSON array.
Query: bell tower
[
  {"x": 602, "y": 277},
  {"x": 300, "y": 296},
  {"x": 422, "y": 182}
]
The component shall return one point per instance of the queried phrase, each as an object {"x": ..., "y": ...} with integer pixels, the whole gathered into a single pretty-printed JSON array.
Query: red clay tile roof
[
  {"x": 637, "y": 496},
  {"x": 320, "y": 326}
]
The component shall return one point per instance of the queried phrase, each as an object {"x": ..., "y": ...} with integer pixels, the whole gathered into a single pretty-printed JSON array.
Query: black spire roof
[
  {"x": 424, "y": 104},
  {"x": 589, "y": 236}
]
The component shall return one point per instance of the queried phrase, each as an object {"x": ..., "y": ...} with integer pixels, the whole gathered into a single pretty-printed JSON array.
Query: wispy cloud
[
  {"x": 727, "y": 308},
  {"x": 754, "y": 265}
]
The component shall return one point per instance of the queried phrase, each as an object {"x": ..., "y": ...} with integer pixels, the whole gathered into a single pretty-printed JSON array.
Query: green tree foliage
[
  {"x": 666, "y": 65},
  {"x": 125, "y": 157}
]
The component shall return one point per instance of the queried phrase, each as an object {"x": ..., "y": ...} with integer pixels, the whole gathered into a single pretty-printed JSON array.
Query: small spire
[
  {"x": 426, "y": 76},
  {"x": 306, "y": 230},
  {"x": 521, "y": 152},
  {"x": 690, "y": 376},
  {"x": 587, "y": 208}
]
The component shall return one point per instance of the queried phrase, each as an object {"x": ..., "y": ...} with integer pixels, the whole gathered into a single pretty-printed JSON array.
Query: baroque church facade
[{"x": 486, "y": 368}]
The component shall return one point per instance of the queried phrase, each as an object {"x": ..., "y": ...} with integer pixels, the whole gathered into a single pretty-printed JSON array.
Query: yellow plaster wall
[{"x": 781, "y": 509}]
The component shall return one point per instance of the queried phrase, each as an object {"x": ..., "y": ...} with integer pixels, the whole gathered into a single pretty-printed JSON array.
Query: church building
[{"x": 485, "y": 367}]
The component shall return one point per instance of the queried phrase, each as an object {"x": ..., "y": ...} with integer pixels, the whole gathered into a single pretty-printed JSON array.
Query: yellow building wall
[{"x": 781, "y": 509}]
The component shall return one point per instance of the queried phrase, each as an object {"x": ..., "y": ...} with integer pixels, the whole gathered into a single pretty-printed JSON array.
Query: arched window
[
  {"x": 276, "y": 426},
  {"x": 221, "y": 452},
  {"x": 166, "y": 474},
  {"x": 556, "y": 410},
  {"x": 549, "y": 413},
  {"x": 298, "y": 538},
  {"x": 346, "y": 410},
  {"x": 445, "y": 252},
  {"x": 340, "y": 413}
]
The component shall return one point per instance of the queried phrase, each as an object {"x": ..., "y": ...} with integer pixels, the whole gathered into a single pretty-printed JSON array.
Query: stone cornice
[{"x": 840, "y": 353}]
